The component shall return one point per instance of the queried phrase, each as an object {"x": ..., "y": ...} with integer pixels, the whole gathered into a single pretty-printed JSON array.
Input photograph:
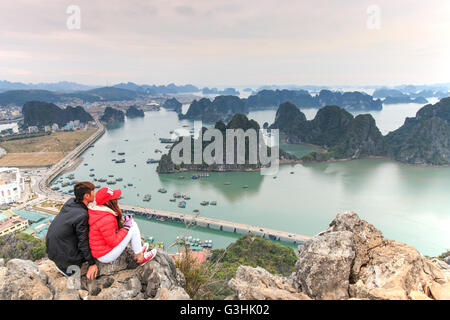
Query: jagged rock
[
  {"x": 22, "y": 280},
  {"x": 440, "y": 292},
  {"x": 121, "y": 280},
  {"x": 324, "y": 265},
  {"x": 258, "y": 284},
  {"x": 447, "y": 260},
  {"x": 380, "y": 268},
  {"x": 175, "y": 294},
  {"x": 58, "y": 284},
  {"x": 125, "y": 261}
]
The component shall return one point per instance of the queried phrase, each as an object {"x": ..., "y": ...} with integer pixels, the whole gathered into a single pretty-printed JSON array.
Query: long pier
[{"x": 216, "y": 224}]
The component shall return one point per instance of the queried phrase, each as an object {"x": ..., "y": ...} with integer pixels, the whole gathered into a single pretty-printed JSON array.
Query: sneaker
[
  {"x": 149, "y": 255},
  {"x": 144, "y": 247}
]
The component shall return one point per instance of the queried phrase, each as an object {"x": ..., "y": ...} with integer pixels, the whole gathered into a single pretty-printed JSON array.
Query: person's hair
[
  {"x": 114, "y": 205},
  {"x": 81, "y": 188}
]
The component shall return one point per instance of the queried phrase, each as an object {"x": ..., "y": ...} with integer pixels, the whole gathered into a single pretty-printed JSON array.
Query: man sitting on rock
[{"x": 67, "y": 238}]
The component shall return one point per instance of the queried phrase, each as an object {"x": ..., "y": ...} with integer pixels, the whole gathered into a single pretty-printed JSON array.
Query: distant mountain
[
  {"x": 221, "y": 108},
  {"x": 302, "y": 98},
  {"x": 19, "y": 97},
  {"x": 405, "y": 99},
  {"x": 161, "y": 89},
  {"x": 332, "y": 128},
  {"x": 238, "y": 121},
  {"x": 133, "y": 112},
  {"x": 424, "y": 139},
  {"x": 173, "y": 104},
  {"x": 112, "y": 115},
  {"x": 226, "y": 91},
  {"x": 40, "y": 114},
  {"x": 386, "y": 92},
  {"x": 62, "y": 86}
]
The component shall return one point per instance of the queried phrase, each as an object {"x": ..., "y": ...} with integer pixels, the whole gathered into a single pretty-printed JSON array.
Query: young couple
[{"x": 81, "y": 234}]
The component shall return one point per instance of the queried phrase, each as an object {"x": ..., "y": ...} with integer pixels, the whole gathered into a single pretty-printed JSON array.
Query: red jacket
[{"x": 104, "y": 232}]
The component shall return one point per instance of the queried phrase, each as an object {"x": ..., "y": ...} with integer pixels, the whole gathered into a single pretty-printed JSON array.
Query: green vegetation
[
  {"x": 22, "y": 246},
  {"x": 40, "y": 114},
  {"x": 209, "y": 280}
]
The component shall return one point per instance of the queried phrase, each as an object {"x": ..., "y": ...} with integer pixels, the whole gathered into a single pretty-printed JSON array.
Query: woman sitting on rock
[{"x": 109, "y": 233}]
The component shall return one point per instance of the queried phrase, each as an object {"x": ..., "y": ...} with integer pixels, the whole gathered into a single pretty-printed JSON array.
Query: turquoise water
[{"x": 407, "y": 203}]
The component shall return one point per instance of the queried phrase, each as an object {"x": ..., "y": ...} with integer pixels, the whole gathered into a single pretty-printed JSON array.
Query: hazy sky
[{"x": 232, "y": 42}]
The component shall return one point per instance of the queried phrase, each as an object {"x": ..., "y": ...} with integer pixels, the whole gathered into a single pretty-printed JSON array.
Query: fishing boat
[
  {"x": 102, "y": 180},
  {"x": 119, "y": 179},
  {"x": 71, "y": 176},
  {"x": 91, "y": 175},
  {"x": 194, "y": 176},
  {"x": 111, "y": 182},
  {"x": 129, "y": 184},
  {"x": 147, "y": 197},
  {"x": 172, "y": 200},
  {"x": 195, "y": 210},
  {"x": 213, "y": 203},
  {"x": 162, "y": 190},
  {"x": 204, "y": 203},
  {"x": 186, "y": 197},
  {"x": 65, "y": 184},
  {"x": 227, "y": 183},
  {"x": 113, "y": 160},
  {"x": 166, "y": 140},
  {"x": 91, "y": 169},
  {"x": 157, "y": 150},
  {"x": 110, "y": 175},
  {"x": 168, "y": 147},
  {"x": 55, "y": 188},
  {"x": 180, "y": 177},
  {"x": 113, "y": 151},
  {"x": 85, "y": 164},
  {"x": 245, "y": 187},
  {"x": 176, "y": 195},
  {"x": 121, "y": 153},
  {"x": 120, "y": 161},
  {"x": 292, "y": 172},
  {"x": 150, "y": 160},
  {"x": 97, "y": 186},
  {"x": 182, "y": 204}
]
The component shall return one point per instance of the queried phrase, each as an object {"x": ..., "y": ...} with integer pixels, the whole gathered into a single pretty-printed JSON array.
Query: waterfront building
[
  {"x": 13, "y": 224},
  {"x": 55, "y": 127},
  {"x": 33, "y": 129},
  {"x": 11, "y": 185}
]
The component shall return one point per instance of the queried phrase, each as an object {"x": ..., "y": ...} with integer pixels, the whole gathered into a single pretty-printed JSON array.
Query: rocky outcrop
[
  {"x": 121, "y": 280},
  {"x": 351, "y": 260},
  {"x": 112, "y": 115},
  {"x": 133, "y": 112},
  {"x": 173, "y": 104},
  {"x": 221, "y": 108},
  {"x": 258, "y": 284}
]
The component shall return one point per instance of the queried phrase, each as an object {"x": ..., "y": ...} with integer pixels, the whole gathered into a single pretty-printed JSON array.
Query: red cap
[{"x": 103, "y": 195}]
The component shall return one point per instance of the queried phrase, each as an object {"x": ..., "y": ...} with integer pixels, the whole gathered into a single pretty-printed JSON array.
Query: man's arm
[{"x": 82, "y": 230}]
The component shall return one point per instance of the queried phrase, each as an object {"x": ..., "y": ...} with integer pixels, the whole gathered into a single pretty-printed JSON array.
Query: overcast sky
[{"x": 227, "y": 42}]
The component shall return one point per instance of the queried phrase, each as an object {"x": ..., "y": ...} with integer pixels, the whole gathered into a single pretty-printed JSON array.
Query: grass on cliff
[
  {"x": 208, "y": 281},
  {"x": 22, "y": 246}
]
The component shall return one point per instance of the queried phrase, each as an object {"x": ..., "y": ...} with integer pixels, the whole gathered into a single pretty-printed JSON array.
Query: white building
[
  {"x": 55, "y": 127},
  {"x": 33, "y": 129},
  {"x": 11, "y": 185}
]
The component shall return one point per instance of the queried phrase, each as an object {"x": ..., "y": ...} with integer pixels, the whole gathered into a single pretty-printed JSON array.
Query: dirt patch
[{"x": 31, "y": 159}]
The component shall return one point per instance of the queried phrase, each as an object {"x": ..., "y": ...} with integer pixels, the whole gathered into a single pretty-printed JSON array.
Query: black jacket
[{"x": 67, "y": 238}]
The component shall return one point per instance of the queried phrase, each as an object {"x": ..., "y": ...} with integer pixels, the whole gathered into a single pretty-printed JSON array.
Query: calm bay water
[{"x": 407, "y": 203}]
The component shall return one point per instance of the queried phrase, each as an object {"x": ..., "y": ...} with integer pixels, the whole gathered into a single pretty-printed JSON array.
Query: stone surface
[
  {"x": 324, "y": 265},
  {"x": 121, "y": 280},
  {"x": 440, "y": 291},
  {"x": 258, "y": 284},
  {"x": 22, "y": 280}
]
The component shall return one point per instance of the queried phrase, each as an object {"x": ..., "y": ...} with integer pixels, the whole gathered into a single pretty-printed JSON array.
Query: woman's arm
[{"x": 108, "y": 229}]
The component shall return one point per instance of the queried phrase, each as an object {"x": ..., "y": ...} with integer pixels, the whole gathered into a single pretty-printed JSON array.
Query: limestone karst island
[{"x": 216, "y": 152}]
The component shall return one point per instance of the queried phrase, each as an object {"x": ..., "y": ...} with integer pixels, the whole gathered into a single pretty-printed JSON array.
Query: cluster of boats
[
  {"x": 195, "y": 243},
  {"x": 200, "y": 175}
]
